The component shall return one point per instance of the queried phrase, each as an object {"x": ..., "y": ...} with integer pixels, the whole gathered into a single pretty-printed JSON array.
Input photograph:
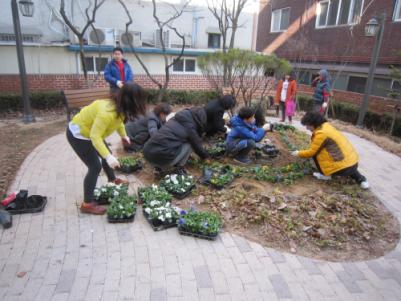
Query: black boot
[{"x": 6, "y": 219}]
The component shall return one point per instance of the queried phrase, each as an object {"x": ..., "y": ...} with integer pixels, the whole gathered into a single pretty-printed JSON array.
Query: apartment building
[
  {"x": 52, "y": 51},
  {"x": 330, "y": 34}
]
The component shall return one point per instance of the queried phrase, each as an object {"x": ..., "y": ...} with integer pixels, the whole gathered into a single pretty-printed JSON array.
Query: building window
[
  {"x": 338, "y": 12},
  {"x": 280, "y": 20},
  {"x": 184, "y": 65},
  {"x": 27, "y": 38},
  {"x": 213, "y": 40},
  {"x": 96, "y": 64},
  {"x": 397, "y": 11},
  {"x": 396, "y": 86},
  {"x": 381, "y": 87},
  {"x": 356, "y": 84},
  {"x": 304, "y": 77}
]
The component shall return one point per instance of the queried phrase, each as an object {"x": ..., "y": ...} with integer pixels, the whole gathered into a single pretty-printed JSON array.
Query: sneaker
[
  {"x": 320, "y": 176},
  {"x": 365, "y": 185},
  {"x": 179, "y": 170},
  {"x": 159, "y": 173},
  {"x": 242, "y": 160},
  {"x": 119, "y": 181},
  {"x": 92, "y": 208}
]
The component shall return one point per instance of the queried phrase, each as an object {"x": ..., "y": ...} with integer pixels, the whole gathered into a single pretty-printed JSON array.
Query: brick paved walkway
[{"x": 70, "y": 256}]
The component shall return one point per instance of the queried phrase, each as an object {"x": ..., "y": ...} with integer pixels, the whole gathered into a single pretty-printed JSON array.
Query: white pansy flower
[
  {"x": 148, "y": 210},
  {"x": 116, "y": 193}
]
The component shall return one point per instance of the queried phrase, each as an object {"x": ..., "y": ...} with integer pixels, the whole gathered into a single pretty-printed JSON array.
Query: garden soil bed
[
  {"x": 333, "y": 220},
  {"x": 14, "y": 136}
]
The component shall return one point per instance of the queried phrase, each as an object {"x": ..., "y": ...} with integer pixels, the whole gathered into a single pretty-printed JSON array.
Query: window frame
[
  {"x": 184, "y": 66},
  {"x": 281, "y": 14},
  {"x": 94, "y": 58},
  {"x": 397, "y": 10},
  {"x": 208, "y": 39},
  {"x": 340, "y": 2}
]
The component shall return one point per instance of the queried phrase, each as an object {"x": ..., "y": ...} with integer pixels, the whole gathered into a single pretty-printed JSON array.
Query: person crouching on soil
[
  {"x": 215, "y": 110},
  {"x": 244, "y": 134},
  {"x": 88, "y": 129},
  {"x": 333, "y": 154},
  {"x": 169, "y": 149},
  {"x": 140, "y": 130}
]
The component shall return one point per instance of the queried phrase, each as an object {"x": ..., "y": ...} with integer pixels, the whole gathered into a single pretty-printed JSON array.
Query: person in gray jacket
[{"x": 141, "y": 129}]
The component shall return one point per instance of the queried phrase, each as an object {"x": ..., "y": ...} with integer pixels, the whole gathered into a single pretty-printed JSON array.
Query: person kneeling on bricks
[
  {"x": 333, "y": 154},
  {"x": 172, "y": 145},
  {"x": 88, "y": 129}
]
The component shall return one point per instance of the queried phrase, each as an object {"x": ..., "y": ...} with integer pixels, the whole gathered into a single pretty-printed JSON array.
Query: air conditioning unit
[
  {"x": 130, "y": 37},
  {"x": 178, "y": 42},
  {"x": 166, "y": 39},
  {"x": 101, "y": 36}
]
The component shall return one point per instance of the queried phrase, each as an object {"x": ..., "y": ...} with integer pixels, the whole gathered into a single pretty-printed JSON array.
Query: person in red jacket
[{"x": 285, "y": 96}]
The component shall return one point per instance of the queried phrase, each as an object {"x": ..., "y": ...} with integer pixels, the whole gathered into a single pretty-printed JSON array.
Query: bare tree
[
  {"x": 162, "y": 25},
  {"x": 90, "y": 19},
  {"x": 227, "y": 17}
]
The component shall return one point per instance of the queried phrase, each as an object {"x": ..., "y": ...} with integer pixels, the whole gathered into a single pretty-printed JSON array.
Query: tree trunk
[{"x": 83, "y": 62}]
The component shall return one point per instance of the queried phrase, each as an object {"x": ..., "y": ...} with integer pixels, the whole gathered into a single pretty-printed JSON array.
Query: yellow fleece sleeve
[
  {"x": 121, "y": 130},
  {"x": 99, "y": 127},
  {"x": 315, "y": 147}
]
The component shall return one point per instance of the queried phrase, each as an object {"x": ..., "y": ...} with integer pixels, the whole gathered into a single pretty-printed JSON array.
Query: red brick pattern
[
  {"x": 376, "y": 103},
  {"x": 51, "y": 82},
  {"x": 46, "y": 82}
]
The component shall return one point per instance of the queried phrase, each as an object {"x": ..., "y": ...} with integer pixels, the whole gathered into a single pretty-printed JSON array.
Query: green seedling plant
[
  {"x": 122, "y": 206},
  {"x": 205, "y": 223}
]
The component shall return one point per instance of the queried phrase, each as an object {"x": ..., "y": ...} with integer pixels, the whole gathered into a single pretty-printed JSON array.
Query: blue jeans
[{"x": 240, "y": 147}]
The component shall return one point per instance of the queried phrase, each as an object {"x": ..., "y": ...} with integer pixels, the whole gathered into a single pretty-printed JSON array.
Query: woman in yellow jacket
[
  {"x": 88, "y": 129},
  {"x": 333, "y": 154}
]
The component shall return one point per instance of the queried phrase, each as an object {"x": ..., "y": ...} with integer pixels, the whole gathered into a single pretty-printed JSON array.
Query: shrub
[
  {"x": 39, "y": 100},
  {"x": 349, "y": 113},
  {"x": 10, "y": 102},
  {"x": 175, "y": 97}
]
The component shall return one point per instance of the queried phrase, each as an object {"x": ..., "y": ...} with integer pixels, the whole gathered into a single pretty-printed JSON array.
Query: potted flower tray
[
  {"x": 121, "y": 209},
  {"x": 179, "y": 186},
  {"x": 129, "y": 164},
  {"x": 204, "y": 225}
]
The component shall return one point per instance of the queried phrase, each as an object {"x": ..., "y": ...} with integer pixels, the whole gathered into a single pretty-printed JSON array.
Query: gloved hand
[
  {"x": 226, "y": 117},
  {"x": 266, "y": 127},
  {"x": 324, "y": 105},
  {"x": 295, "y": 153},
  {"x": 126, "y": 140},
  {"x": 112, "y": 161}
]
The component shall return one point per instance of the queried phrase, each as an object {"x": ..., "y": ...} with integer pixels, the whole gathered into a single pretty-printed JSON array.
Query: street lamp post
[
  {"x": 27, "y": 10},
  {"x": 372, "y": 28}
]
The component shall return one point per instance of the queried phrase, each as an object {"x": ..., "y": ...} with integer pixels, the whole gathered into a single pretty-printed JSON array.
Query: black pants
[
  {"x": 88, "y": 154},
  {"x": 281, "y": 107},
  {"x": 351, "y": 171}
]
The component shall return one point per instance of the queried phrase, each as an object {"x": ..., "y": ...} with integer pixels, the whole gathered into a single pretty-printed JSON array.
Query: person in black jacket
[
  {"x": 215, "y": 110},
  {"x": 172, "y": 145},
  {"x": 140, "y": 130}
]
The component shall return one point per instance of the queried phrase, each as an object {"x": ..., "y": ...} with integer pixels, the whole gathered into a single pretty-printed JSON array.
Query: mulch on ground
[
  {"x": 19, "y": 139},
  {"x": 334, "y": 220}
]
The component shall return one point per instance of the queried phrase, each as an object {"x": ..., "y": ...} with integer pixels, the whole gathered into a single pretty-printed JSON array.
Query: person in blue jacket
[
  {"x": 244, "y": 135},
  {"x": 118, "y": 71}
]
